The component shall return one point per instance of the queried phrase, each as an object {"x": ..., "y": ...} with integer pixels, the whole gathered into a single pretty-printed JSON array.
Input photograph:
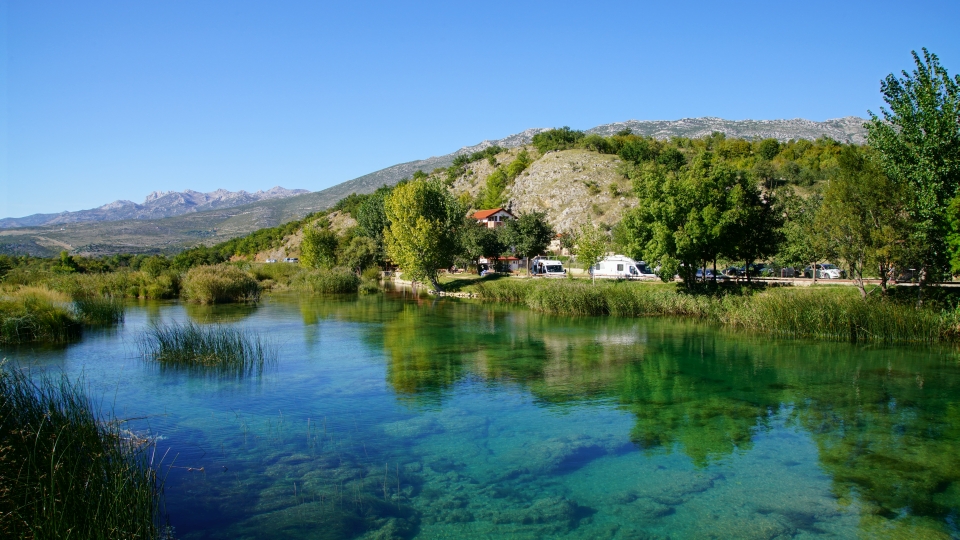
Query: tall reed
[
  {"x": 835, "y": 314},
  {"x": 99, "y": 310},
  {"x": 830, "y": 313},
  {"x": 332, "y": 281},
  {"x": 220, "y": 283},
  {"x": 32, "y": 314},
  {"x": 64, "y": 472},
  {"x": 221, "y": 349}
]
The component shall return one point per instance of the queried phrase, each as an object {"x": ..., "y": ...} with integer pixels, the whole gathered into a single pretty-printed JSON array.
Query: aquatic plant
[
  {"x": 65, "y": 473},
  {"x": 99, "y": 310},
  {"x": 836, "y": 314},
  {"x": 333, "y": 281},
  {"x": 118, "y": 284},
  {"x": 37, "y": 314},
  {"x": 832, "y": 313},
  {"x": 219, "y": 283},
  {"x": 228, "y": 351}
]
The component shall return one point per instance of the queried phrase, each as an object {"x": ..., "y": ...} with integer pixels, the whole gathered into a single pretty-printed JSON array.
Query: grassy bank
[
  {"x": 36, "y": 314},
  {"x": 64, "y": 473},
  {"x": 224, "y": 350},
  {"x": 832, "y": 313}
]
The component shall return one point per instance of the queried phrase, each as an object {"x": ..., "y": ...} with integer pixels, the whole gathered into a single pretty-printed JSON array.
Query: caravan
[
  {"x": 540, "y": 266},
  {"x": 620, "y": 267}
]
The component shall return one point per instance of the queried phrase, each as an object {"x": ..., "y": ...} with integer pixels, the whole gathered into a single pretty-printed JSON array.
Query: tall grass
[
  {"x": 64, "y": 473},
  {"x": 32, "y": 314},
  {"x": 221, "y": 349},
  {"x": 832, "y": 313},
  {"x": 219, "y": 283},
  {"x": 333, "y": 281},
  {"x": 118, "y": 284},
  {"x": 99, "y": 310}
]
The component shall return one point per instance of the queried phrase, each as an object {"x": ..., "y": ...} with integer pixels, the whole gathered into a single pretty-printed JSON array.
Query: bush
[
  {"x": 221, "y": 283},
  {"x": 64, "y": 473}
]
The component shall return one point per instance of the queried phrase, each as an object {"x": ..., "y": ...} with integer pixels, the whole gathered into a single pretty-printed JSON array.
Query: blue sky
[{"x": 112, "y": 100}]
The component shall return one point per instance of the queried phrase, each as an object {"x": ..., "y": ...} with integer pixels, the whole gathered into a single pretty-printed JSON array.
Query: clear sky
[{"x": 112, "y": 100}]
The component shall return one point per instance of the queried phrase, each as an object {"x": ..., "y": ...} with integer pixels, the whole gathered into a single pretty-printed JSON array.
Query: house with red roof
[{"x": 494, "y": 217}]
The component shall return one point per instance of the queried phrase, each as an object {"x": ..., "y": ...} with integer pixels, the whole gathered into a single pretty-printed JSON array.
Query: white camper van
[
  {"x": 621, "y": 267},
  {"x": 546, "y": 267}
]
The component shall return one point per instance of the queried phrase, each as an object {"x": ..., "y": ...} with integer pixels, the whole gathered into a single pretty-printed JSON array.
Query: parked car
[
  {"x": 291, "y": 260},
  {"x": 825, "y": 271},
  {"x": 758, "y": 270},
  {"x": 706, "y": 274}
]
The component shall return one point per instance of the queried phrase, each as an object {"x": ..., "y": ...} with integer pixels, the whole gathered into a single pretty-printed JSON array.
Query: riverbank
[{"x": 828, "y": 313}]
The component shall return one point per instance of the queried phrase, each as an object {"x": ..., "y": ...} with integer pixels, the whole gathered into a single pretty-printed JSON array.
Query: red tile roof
[{"x": 484, "y": 214}]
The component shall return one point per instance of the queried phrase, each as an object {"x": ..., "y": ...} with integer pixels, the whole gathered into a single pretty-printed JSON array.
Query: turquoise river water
[{"x": 392, "y": 417}]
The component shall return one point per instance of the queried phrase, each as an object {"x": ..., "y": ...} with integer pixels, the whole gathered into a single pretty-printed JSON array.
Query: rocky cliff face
[{"x": 159, "y": 204}]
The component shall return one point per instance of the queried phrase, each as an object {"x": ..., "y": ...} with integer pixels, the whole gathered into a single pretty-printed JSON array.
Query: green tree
[
  {"x": 802, "y": 245},
  {"x": 529, "y": 234},
  {"x": 318, "y": 249},
  {"x": 359, "y": 254},
  {"x": 918, "y": 144},
  {"x": 372, "y": 219},
  {"x": 492, "y": 195},
  {"x": 768, "y": 148},
  {"x": 863, "y": 217},
  {"x": 424, "y": 232},
  {"x": 685, "y": 220},
  {"x": 478, "y": 240},
  {"x": 591, "y": 246},
  {"x": 556, "y": 139},
  {"x": 155, "y": 265}
]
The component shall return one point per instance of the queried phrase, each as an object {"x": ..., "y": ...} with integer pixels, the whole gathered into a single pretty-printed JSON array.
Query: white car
[{"x": 825, "y": 271}]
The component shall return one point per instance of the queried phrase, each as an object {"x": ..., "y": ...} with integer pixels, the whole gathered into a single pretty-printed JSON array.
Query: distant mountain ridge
[
  {"x": 218, "y": 222},
  {"x": 848, "y": 130},
  {"x": 159, "y": 204}
]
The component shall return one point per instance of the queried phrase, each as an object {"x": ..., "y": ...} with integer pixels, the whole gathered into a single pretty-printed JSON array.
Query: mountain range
[
  {"x": 170, "y": 221},
  {"x": 159, "y": 204}
]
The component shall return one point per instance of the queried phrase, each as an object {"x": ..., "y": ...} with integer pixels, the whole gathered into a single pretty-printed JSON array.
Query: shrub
[
  {"x": 64, "y": 473},
  {"x": 220, "y": 283}
]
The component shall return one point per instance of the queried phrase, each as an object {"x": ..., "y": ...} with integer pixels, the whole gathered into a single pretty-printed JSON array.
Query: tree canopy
[
  {"x": 424, "y": 231},
  {"x": 918, "y": 145}
]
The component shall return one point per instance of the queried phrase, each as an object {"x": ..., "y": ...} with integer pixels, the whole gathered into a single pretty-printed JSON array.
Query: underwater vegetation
[
  {"x": 64, "y": 472},
  {"x": 191, "y": 346}
]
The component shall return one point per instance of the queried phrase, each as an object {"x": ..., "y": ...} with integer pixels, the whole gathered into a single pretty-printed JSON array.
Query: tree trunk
[{"x": 435, "y": 281}]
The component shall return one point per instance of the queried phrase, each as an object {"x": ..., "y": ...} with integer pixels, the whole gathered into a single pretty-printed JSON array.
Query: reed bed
[
  {"x": 832, "y": 313},
  {"x": 36, "y": 314},
  {"x": 219, "y": 283},
  {"x": 118, "y": 284},
  {"x": 840, "y": 316},
  {"x": 217, "y": 348},
  {"x": 99, "y": 310},
  {"x": 65, "y": 473},
  {"x": 333, "y": 281}
]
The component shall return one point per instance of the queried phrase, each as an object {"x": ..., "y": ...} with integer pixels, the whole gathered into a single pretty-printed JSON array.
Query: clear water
[{"x": 397, "y": 418}]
